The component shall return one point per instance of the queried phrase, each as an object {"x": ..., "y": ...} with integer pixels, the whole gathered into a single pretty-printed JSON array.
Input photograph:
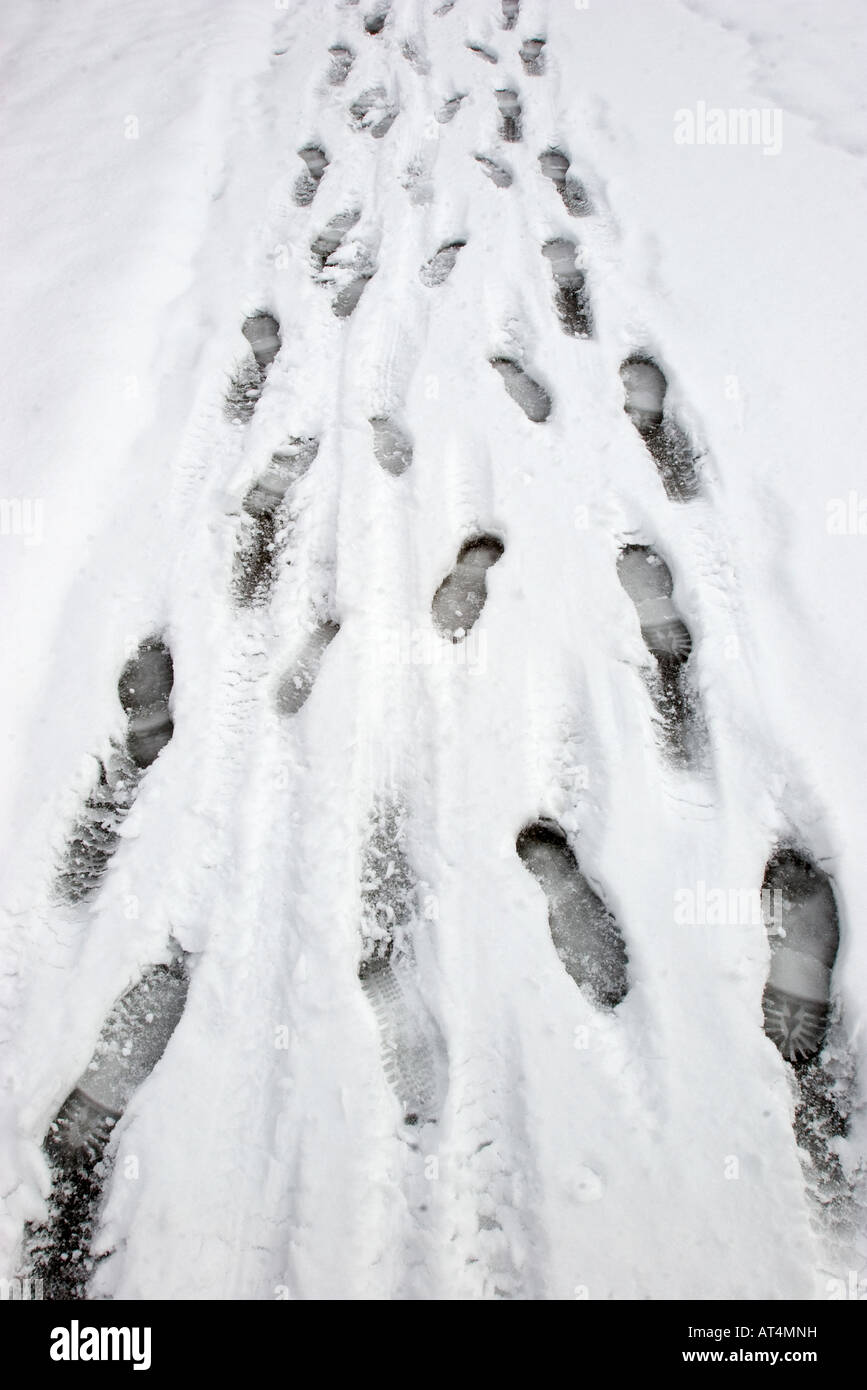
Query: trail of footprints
[{"x": 797, "y": 1003}]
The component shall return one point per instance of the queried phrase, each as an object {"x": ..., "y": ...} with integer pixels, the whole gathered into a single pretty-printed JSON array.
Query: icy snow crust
[{"x": 450, "y": 1115}]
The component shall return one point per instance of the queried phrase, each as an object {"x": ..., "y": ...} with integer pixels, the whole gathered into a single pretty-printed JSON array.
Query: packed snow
[{"x": 432, "y": 542}]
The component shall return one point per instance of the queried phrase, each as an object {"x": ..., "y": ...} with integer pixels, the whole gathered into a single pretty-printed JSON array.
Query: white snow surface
[{"x": 577, "y": 1153}]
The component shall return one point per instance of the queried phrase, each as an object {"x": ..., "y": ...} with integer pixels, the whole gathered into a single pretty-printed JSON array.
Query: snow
[{"x": 152, "y": 161}]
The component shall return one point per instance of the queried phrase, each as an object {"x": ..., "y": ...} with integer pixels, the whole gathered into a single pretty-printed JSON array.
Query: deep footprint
[
  {"x": 586, "y": 937},
  {"x": 349, "y": 267},
  {"x": 533, "y": 56},
  {"x": 323, "y": 246},
  {"x": 511, "y": 11},
  {"x": 645, "y": 387},
  {"x": 391, "y": 445},
  {"x": 439, "y": 267},
  {"x": 374, "y": 23},
  {"x": 497, "y": 173},
  {"x": 801, "y": 909},
  {"x": 372, "y": 111},
  {"x": 510, "y": 114},
  {"x": 413, "y": 1050},
  {"x": 529, "y": 395},
  {"x": 341, "y": 62},
  {"x": 307, "y": 183},
  {"x": 299, "y": 680},
  {"x": 571, "y": 299},
  {"x": 262, "y": 332},
  {"x": 647, "y": 580},
  {"x": 555, "y": 166},
  {"x": 144, "y": 689},
  {"x": 267, "y": 522},
  {"x": 459, "y": 600},
  {"x": 798, "y": 991},
  {"x": 131, "y": 1043}
]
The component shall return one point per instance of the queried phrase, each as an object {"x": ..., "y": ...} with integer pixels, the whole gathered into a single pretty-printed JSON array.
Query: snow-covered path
[{"x": 345, "y": 784}]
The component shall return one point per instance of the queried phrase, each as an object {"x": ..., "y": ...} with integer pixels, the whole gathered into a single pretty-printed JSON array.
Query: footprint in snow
[
  {"x": 95, "y": 834},
  {"x": 554, "y": 164},
  {"x": 132, "y": 1041},
  {"x": 571, "y": 299},
  {"x": 450, "y": 108},
  {"x": 299, "y": 680},
  {"x": 323, "y": 246},
  {"x": 586, "y": 936},
  {"x": 647, "y": 580},
  {"x": 342, "y": 59},
  {"x": 346, "y": 299},
  {"x": 497, "y": 173},
  {"x": 440, "y": 266},
  {"x": 416, "y": 179},
  {"x": 349, "y": 270},
  {"x": 511, "y": 11},
  {"x": 459, "y": 600},
  {"x": 801, "y": 913},
  {"x": 373, "y": 111},
  {"x": 266, "y": 521},
  {"x": 533, "y": 56},
  {"x": 307, "y": 183},
  {"x": 510, "y": 114},
  {"x": 374, "y": 23},
  {"x": 262, "y": 332},
  {"x": 414, "y": 56},
  {"x": 645, "y": 387},
  {"x": 392, "y": 447},
  {"x": 803, "y": 950},
  {"x": 414, "y": 1055},
  {"x": 529, "y": 395},
  {"x": 481, "y": 52},
  {"x": 144, "y": 690}
]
